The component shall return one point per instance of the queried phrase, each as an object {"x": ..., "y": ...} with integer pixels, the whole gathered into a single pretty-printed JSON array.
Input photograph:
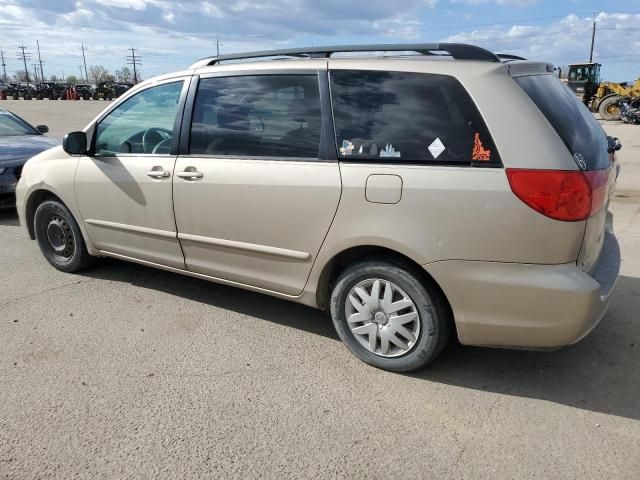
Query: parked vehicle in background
[
  {"x": 120, "y": 88},
  {"x": 84, "y": 91},
  {"x": 396, "y": 193},
  {"x": 104, "y": 91},
  {"x": 19, "y": 141},
  {"x": 50, "y": 90},
  {"x": 601, "y": 97}
]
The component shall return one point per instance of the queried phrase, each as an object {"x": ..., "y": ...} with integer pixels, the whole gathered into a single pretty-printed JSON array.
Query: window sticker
[
  {"x": 436, "y": 148},
  {"x": 479, "y": 152},
  {"x": 390, "y": 151},
  {"x": 347, "y": 148}
]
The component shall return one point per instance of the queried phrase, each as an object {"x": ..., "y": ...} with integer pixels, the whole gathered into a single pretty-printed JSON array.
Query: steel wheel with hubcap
[{"x": 389, "y": 315}]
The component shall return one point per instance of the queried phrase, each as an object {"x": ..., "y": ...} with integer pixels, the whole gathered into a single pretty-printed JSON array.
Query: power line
[
  {"x": 40, "y": 61},
  {"x": 534, "y": 35},
  {"x": 511, "y": 22},
  {"x": 135, "y": 61},
  {"x": 25, "y": 56},
  {"x": 4, "y": 65},
  {"x": 84, "y": 60}
]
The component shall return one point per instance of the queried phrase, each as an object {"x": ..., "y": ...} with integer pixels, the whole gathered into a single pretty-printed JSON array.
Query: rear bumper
[{"x": 527, "y": 306}]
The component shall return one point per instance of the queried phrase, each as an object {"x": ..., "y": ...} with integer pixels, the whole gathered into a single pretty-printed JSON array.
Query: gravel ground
[{"x": 129, "y": 372}]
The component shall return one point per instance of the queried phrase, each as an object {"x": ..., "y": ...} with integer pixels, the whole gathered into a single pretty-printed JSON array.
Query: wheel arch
[
  {"x": 354, "y": 254},
  {"x": 36, "y": 198}
]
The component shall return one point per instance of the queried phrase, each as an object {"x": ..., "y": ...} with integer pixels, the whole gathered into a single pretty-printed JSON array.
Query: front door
[
  {"x": 253, "y": 199},
  {"x": 124, "y": 189}
]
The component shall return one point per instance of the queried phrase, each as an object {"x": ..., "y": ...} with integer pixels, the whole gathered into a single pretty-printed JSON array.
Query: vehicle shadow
[
  {"x": 9, "y": 216},
  {"x": 238, "y": 300},
  {"x": 599, "y": 374}
]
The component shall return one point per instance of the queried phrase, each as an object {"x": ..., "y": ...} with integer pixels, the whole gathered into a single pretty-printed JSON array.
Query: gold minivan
[{"x": 427, "y": 189}]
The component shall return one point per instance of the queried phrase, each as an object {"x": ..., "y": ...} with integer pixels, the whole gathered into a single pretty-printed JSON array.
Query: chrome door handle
[
  {"x": 159, "y": 174},
  {"x": 189, "y": 175}
]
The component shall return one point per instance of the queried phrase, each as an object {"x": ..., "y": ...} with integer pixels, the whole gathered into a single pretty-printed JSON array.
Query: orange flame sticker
[{"x": 479, "y": 152}]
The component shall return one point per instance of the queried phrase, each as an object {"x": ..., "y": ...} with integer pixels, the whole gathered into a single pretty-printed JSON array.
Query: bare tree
[
  {"x": 98, "y": 74},
  {"x": 126, "y": 74},
  {"x": 21, "y": 76}
]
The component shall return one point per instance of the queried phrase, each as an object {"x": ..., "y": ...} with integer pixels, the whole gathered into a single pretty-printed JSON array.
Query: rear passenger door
[{"x": 257, "y": 190}]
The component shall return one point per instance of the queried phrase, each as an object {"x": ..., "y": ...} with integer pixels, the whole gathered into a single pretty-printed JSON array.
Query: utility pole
[
  {"x": 24, "y": 55},
  {"x": 593, "y": 38},
  {"x": 218, "y": 44},
  {"x": 135, "y": 61},
  {"x": 40, "y": 61},
  {"x": 80, "y": 68},
  {"x": 35, "y": 72},
  {"x": 84, "y": 60},
  {"x": 4, "y": 65}
]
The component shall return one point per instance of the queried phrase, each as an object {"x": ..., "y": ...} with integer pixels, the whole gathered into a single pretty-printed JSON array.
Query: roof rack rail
[
  {"x": 507, "y": 57},
  {"x": 458, "y": 51}
]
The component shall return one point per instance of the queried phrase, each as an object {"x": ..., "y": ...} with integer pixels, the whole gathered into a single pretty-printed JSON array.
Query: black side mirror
[
  {"x": 613, "y": 144},
  {"x": 42, "y": 128},
  {"x": 75, "y": 143}
]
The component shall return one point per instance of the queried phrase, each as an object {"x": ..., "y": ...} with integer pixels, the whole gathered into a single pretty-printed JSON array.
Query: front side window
[
  {"x": 257, "y": 115},
  {"x": 11, "y": 125},
  {"x": 408, "y": 118},
  {"x": 143, "y": 124}
]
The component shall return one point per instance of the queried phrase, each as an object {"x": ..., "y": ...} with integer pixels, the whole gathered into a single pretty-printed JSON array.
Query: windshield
[{"x": 11, "y": 125}]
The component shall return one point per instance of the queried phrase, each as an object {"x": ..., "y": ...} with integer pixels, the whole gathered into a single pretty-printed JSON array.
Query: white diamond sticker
[{"x": 436, "y": 148}]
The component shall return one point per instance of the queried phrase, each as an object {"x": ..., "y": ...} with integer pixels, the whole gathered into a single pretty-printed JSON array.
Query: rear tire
[
  {"x": 380, "y": 332},
  {"x": 59, "y": 237},
  {"x": 609, "y": 109}
]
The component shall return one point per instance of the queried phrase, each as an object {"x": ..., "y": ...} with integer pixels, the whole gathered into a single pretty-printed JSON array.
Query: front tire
[
  {"x": 389, "y": 317},
  {"x": 59, "y": 237},
  {"x": 609, "y": 109}
]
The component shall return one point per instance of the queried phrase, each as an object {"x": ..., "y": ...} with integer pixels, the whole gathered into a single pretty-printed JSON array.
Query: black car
[{"x": 19, "y": 141}]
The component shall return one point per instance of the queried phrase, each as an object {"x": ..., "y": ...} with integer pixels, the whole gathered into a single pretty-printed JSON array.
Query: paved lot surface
[
  {"x": 129, "y": 372},
  {"x": 61, "y": 116}
]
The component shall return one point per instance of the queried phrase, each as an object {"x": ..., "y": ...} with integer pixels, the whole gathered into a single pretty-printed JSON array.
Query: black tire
[
  {"x": 433, "y": 311},
  {"x": 53, "y": 223},
  {"x": 87, "y": 96},
  {"x": 609, "y": 109}
]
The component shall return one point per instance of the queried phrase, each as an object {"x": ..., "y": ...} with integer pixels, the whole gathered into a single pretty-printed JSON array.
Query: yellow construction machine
[{"x": 601, "y": 97}]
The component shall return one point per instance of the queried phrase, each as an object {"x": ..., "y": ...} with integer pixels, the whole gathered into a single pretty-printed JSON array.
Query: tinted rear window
[
  {"x": 574, "y": 123},
  {"x": 403, "y": 117}
]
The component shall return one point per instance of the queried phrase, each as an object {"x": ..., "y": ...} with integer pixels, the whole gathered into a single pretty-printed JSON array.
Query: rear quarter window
[
  {"x": 575, "y": 124},
  {"x": 404, "y": 117}
]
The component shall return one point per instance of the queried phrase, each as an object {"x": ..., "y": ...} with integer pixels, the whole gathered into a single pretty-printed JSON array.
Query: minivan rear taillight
[{"x": 566, "y": 195}]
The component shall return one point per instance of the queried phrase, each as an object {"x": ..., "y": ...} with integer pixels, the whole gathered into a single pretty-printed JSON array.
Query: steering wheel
[{"x": 153, "y": 137}]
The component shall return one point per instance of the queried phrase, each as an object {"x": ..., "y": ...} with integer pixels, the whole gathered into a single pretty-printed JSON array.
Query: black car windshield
[{"x": 11, "y": 125}]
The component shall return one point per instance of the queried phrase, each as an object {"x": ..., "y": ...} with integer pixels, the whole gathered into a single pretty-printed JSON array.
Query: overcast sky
[{"x": 170, "y": 35}]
